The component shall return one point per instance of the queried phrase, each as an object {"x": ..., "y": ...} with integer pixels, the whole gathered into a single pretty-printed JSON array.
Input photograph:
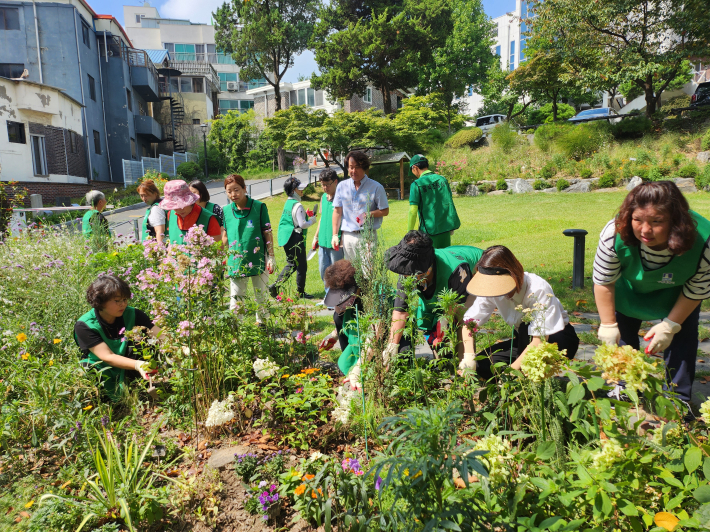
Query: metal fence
[{"x": 134, "y": 170}]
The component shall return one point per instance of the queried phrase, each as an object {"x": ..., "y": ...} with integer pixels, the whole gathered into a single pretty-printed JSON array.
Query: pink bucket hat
[{"x": 177, "y": 195}]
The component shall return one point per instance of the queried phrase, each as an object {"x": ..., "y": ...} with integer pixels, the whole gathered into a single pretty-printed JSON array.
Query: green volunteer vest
[
  {"x": 210, "y": 207},
  {"x": 352, "y": 353},
  {"x": 286, "y": 226},
  {"x": 650, "y": 295},
  {"x": 447, "y": 260},
  {"x": 148, "y": 230},
  {"x": 325, "y": 233},
  {"x": 247, "y": 233},
  {"x": 175, "y": 234},
  {"x": 437, "y": 213},
  {"x": 111, "y": 378},
  {"x": 86, "y": 224}
]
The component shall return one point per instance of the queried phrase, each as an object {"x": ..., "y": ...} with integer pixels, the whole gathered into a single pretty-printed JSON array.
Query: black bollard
[{"x": 578, "y": 262}]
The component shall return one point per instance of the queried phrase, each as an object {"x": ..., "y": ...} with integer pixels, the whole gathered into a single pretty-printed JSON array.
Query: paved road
[{"x": 122, "y": 222}]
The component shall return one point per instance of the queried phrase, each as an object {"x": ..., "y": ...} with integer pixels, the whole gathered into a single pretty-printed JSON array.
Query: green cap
[{"x": 416, "y": 159}]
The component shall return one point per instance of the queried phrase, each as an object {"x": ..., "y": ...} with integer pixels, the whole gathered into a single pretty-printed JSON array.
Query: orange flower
[
  {"x": 308, "y": 477},
  {"x": 314, "y": 495},
  {"x": 300, "y": 489}
]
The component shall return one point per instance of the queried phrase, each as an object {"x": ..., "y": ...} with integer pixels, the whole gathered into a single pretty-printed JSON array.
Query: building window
[
  {"x": 133, "y": 148},
  {"x": 97, "y": 143},
  {"x": 170, "y": 47},
  {"x": 512, "y": 55},
  {"x": 367, "y": 98},
  {"x": 92, "y": 88},
  {"x": 73, "y": 142},
  {"x": 240, "y": 106},
  {"x": 11, "y": 70},
  {"x": 498, "y": 50},
  {"x": 198, "y": 85},
  {"x": 200, "y": 52},
  {"x": 138, "y": 18},
  {"x": 9, "y": 18},
  {"x": 184, "y": 52},
  {"x": 39, "y": 155},
  {"x": 185, "y": 84},
  {"x": 195, "y": 121},
  {"x": 311, "y": 97},
  {"x": 16, "y": 132},
  {"x": 225, "y": 77},
  {"x": 85, "y": 34},
  {"x": 129, "y": 100}
]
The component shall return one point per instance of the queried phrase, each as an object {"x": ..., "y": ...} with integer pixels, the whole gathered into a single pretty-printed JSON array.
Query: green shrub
[
  {"x": 583, "y": 140},
  {"x": 486, "y": 187},
  {"x": 189, "y": 170},
  {"x": 548, "y": 171},
  {"x": 608, "y": 180},
  {"x": 677, "y": 159},
  {"x": 465, "y": 137},
  {"x": 705, "y": 143},
  {"x": 673, "y": 103},
  {"x": 501, "y": 184},
  {"x": 632, "y": 128},
  {"x": 504, "y": 137},
  {"x": 585, "y": 172},
  {"x": 462, "y": 185},
  {"x": 540, "y": 184},
  {"x": 702, "y": 180},
  {"x": 545, "y": 135},
  {"x": 562, "y": 184},
  {"x": 654, "y": 174},
  {"x": 689, "y": 170},
  {"x": 543, "y": 115},
  {"x": 645, "y": 157},
  {"x": 530, "y": 131}
]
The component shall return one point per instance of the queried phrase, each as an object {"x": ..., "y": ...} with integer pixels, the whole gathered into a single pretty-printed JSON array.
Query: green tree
[
  {"x": 296, "y": 129},
  {"x": 264, "y": 37},
  {"x": 541, "y": 74},
  {"x": 506, "y": 93},
  {"x": 422, "y": 118},
  {"x": 232, "y": 135},
  {"x": 611, "y": 42},
  {"x": 464, "y": 58}
]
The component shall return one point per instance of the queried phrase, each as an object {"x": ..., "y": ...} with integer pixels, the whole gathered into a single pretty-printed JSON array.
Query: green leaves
[
  {"x": 545, "y": 450},
  {"x": 693, "y": 459}
]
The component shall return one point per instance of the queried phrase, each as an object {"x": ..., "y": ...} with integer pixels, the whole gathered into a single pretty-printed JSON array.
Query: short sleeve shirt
[
  {"x": 371, "y": 196},
  {"x": 156, "y": 216},
  {"x": 88, "y": 338},
  {"x": 458, "y": 281}
]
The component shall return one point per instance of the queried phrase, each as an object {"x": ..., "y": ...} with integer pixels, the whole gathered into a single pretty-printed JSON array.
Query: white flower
[
  {"x": 342, "y": 411},
  {"x": 705, "y": 411},
  {"x": 497, "y": 458},
  {"x": 316, "y": 455},
  {"x": 220, "y": 412},
  {"x": 264, "y": 368},
  {"x": 610, "y": 452}
]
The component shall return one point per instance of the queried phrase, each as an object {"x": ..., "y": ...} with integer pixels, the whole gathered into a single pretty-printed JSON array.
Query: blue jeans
[
  {"x": 679, "y": 357},
  {"x": 326, "y": 257}
]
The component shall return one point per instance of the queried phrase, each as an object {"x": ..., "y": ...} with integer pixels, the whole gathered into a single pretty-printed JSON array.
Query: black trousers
[
  {"x": 501, "y": 352},
  {"x": 680, "y": 356},
  {"x": 295, "y": 250}
]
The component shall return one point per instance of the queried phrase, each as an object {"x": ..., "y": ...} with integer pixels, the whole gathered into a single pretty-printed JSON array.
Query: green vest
[
  {"x": 352, "y": 353},
  {"x": 210, "y": 207},
  {"x": 88, "y": 225},
  {"x": 286, "y": 227},
  {"x": 247, "y": 233},
  {"x": 112, "y": 378},
  {"x": 650, "y": 295},
  {"x": 437, "y": 213},
  {"x": 325, "y": 233},
  {"x": 447, "y": 260},
  {"x": 148, "y": 230},
  {"x": 175, "y": 234}
]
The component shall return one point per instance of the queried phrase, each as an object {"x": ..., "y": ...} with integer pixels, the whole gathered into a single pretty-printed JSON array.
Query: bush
[
  {"x": 530, "y": 131},
  {"x": 189, "y": 170},
  {"x": 705, "y": 143},
  {"x": 462, "y": 185},
  {"x": 654, "y": 174},
  {"x": 501, "y": 184},
  {"x": 673, "y": 103},
  {"x": 548, "y": 171},
  {"x": 608, "y": 180},
  {"x": 585, "y": 172},
  {"x": 465, "y": 137},
  {"x": 562, "y": 184},
  {"x": 486, "y": 188},
  {"x": 689, "y": 170},
  {"x": 504, "y": 137},
  {"x": 702, "y": 180},
  {"x": 545, "y": 135},
  {"x": 540, "y": 184},
  {"x": 632, "y": 128},
  {"x": 583, "y": 140},
  {"x": 543, "y": 115}
]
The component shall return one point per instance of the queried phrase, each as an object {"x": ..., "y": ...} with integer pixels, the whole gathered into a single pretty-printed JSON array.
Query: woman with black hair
[
  {"x": 199, "y": 188},
  {"x": 291, "y": 236},
  {"x": 100, "y": 334}
]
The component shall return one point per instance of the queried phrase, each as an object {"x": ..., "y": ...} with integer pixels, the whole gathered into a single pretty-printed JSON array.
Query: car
[
  {"x": 596, "y": 113},
  {"x": 701, "y": 95},
  {"x": 488, "y": 122}
]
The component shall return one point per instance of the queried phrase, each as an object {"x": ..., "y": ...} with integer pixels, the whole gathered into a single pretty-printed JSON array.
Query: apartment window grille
[
  {"x": 195, "y": 121},
  {"x": 512, "y": 55},
  {"x": 73, "y": 142},
  {"x": 185, "y": 84},
  {"x": 198, "y": 85},
  {"x": 133, "y": 149}
]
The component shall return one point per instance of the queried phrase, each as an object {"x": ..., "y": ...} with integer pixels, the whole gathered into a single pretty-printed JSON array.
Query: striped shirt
[{"x": 607, "y": 268}]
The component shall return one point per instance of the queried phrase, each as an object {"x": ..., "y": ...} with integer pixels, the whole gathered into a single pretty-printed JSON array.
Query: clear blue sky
[{"x": 199, "y": 11}]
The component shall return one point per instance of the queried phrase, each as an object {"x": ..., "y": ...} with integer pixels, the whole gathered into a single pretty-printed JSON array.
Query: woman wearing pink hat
[{"x": 185, "y": 213}]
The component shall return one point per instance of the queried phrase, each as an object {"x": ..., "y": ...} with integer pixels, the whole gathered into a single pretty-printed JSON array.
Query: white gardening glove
[
  {"x": 329, "y": 341},
  {"x": 144, "y": 369},
  {"x": 609, "y": 333},
  {"x": 270, "y": 264},
  {"x": 662, "y": 335},
  {"x": 335, "y": 242},
  {"x": 354, "y": 377},
  {"x": 468, "y": 362},
  {"x": 389, "y": 352}
]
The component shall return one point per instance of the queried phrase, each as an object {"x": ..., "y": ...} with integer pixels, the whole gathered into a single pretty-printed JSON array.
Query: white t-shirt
[
  {"x": 156, "y": 216},
  {"x": 553, "y": 318}
]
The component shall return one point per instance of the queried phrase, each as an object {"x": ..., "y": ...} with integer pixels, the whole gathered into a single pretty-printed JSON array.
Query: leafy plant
[
  {"x": 632, "y": 128},
  {"x": 540, "y": 184},
  {"x": 585, "y": 172},
  {"x": 189, "y": 170},
  {"x": 465, "y": 137},
  {"x": 504, "y": 137},
  {"x": 501, "y": 184},
  {"x": 608, "y": 180},
  {"x": 562, "y": 184},
  {"x": 548, "y": 171},
  {"x": 688, "y": 171},
  {"x": 583, "y": 140}
]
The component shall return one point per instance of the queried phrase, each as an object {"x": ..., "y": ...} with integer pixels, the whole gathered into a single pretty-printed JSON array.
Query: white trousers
[
  {"x": 238, "y": 289},
  {"x": 350, "y": 243}
]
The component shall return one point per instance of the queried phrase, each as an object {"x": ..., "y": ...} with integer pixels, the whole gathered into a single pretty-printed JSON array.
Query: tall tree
[
  {"x": 541, "y": 74},
  {"x": 264, "y": 37},
  {"x": 506, "y": 94},
  {"x": 464, "y": 58},
  {"x": 644, "y": 42}
]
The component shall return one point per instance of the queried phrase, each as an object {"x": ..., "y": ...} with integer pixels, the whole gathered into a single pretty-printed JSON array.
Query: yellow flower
[
  {"x": 57, "y": 341},
  {"x": 51, "y": 362},
  {"x": 88, "y": 407},
  {"x": 29, "y": 504},
  {"x": 21, "y": 337},
  {"x": 25, "y": 356},
  {"x": 114, "y": 254},
  {"x": 285, "y": 376}
]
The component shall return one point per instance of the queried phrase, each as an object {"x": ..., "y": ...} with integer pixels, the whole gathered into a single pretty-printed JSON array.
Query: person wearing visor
[
  {"x": 501, "y": 283},
  {"x": 291, "y": 236},
  {"x": 323, "y": 239},
  {"x": 431, "y": 201},
  {"x": 344, "y": 296},
  {"x": 436, "y": 270}
]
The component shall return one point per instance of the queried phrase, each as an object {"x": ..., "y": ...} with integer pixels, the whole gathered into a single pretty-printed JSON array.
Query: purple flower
[{"x": 378, "y": 483}]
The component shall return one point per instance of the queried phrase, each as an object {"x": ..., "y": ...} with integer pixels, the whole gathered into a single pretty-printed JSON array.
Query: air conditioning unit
[{"x": 233, "y": 86}]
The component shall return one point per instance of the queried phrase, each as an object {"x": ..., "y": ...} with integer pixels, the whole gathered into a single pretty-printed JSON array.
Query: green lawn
[{"x": 530, "y": 225}]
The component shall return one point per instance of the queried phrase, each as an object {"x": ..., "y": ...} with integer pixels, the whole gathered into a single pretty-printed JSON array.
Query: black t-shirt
[
  {"x": 87, "y": 338},
  {"x": 458, "y": 281}
]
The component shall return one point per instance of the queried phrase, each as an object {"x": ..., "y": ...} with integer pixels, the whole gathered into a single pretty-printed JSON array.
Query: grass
[{"x": 530, "y": 225}]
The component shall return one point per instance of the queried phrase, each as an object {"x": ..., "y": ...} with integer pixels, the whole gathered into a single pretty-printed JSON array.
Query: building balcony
[
  {"x": 146, "y": 126},
  {"x": 144, "y": 76}
]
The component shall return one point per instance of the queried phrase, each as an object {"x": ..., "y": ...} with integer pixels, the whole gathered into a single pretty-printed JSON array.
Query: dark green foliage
[
  {"x": 585, "y": 172},
  {"x": 462, "y": 185},
  {"x": 465, "y": 137},
  {"x": 583, "y": 140},
  {"x": 654, "y": 174},
  {"x": 216, "y": 162},
  {"x": 702, "y": 180},
  {"x": 562, "y": 184},
  {"x": 189, "y": 170},
  {"x": 543, "y": 115},
  {"x": 486, "y": 187},
  {"x": 545, "y": 135},
  {"x": 705, "y": 143},
  {"x": 632, "y": 128},
  {"x": 501, "y": 184},
  {"x": 608, "y": 180},
  {"x": 540, "y": 184},
  {"x": 689, "y": 170},
  {"x": 548, "y": 171},
  {"x": 55, "y": 515}
]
